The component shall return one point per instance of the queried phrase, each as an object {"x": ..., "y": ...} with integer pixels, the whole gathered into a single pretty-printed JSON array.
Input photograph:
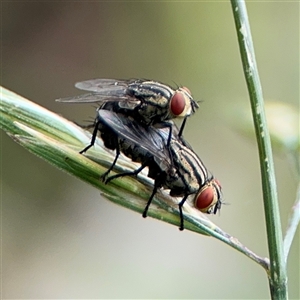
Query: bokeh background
[{"x": 60, "y": 239}]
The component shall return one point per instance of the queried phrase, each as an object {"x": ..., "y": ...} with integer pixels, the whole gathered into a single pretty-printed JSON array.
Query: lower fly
[{"x": 176, "y": 167}]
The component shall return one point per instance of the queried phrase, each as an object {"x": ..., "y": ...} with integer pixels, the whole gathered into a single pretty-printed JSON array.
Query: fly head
[{"x": 208, "y": 199}]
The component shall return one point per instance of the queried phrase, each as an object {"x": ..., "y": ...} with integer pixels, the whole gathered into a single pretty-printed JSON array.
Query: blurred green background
[{"x": 60, "y": 239}]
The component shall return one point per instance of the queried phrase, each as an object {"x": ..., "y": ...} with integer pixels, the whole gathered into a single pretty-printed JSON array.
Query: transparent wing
[
  {"x": 147, "y": 138},
  {"x": 92, "y": 98},
  {"x": 102, "y": 90},
  {"x": 97, "y": 85}
]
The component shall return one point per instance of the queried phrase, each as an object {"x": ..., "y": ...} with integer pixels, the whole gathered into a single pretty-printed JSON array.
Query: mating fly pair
[{"x": 134, "y": 118}]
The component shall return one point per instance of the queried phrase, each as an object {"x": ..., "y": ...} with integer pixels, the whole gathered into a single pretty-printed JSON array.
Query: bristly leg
[
  {"x": 150, "y": 200},
  {"x": 180, "y": 212},
  {"x": 132, "y": 173},
  {"x": 94, "y": 136},
  {"x": 103, "y": 177},
  {"x": 182, "y": 127}
]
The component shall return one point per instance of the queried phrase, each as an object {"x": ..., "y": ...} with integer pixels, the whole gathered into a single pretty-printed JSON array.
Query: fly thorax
[
  {"x": 187, "y": 167},
  {"x": 175, "y": 183},
  {"x": 154, "y": 109}
]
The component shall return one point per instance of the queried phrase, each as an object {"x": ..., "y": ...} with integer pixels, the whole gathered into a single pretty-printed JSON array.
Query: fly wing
[
  {"x": 165, "y": 131},
  {"x": 100, "y": 85},
  {"x": 94, "y": 97},
  {"x": 147, "y": 139},
  {"x": 104, "y": 90}
]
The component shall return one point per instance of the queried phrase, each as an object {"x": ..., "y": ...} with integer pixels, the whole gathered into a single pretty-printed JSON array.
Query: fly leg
[
  {"x": 150, "y": 199},
  {"x": 132, "y": 173},
  {"x": 169, "y": 126},
  {"x": 180, "y": 211},
  {"x": 182, "y": 127},
  {"x": 103, "y": 177},
  {"x": 157, "y": 184},
  {"x": 94, "y": 136},
  {"x": 89, "y": 126},
  {"x": 95, "y": 131},
  {"x": 170, "y": 134}
]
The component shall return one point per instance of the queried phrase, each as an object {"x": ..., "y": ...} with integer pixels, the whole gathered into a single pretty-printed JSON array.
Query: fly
[
  {"x": 148, "y": 102},
  {"x": 176, "y": 167}
]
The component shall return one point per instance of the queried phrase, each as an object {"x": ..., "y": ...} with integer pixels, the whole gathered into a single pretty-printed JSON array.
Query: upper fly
[{"x": 148, "y": 102}]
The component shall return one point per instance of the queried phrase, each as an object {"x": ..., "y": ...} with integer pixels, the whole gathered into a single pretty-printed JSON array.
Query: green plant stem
[{"x": 277, "y": 276}]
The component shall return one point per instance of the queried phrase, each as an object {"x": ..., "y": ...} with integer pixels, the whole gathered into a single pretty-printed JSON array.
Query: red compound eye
[
  {"x": 177, "y": 104},
  {"x": 205, "y": 199}
]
